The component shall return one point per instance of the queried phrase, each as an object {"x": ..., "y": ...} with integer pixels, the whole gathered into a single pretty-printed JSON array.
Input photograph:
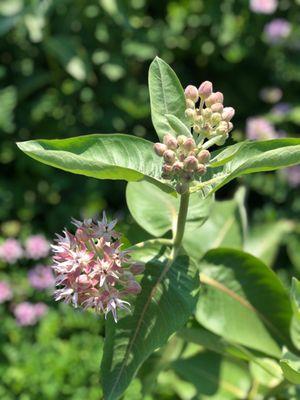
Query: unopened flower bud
[
  {"x": 206, "y": 113},
  {"x": 177, "y": 167},
  {"x": 199, "y": 119},
  {"x": 182, "y": 187},
  {"x": 203, "y": 157},
  {"x": 217, "y": 107},
  {"x": 159, "y": 148},
  {"x": 190, "y": 104},
  {"x": 222, "y": 128},
  {"x": 205, "y": 89},
  {"x": 191, "y": 93},
  {"x": 133, "y": 287},
  {"x": 167, "y": 171},
  {"x": 222, "y": 140},
  {"x": 190, "y": 163},
  {"x": 169, "y": 157},
  {"x": 137, "y": 268},
  {"x": 216, "y": 118},
  {"x": 197, "y": 128},
  {"x": 230, "y": 126},
  {"x": 170, "y": 141},
  {"x": 201, "y": 169},
  {"x": 228, "y": 113},
  {"x": 189, "y": 113},
  {"x": 216, "y": 97},
  {"x": 189, "y": 144},
  {"x": 181, "y": 139}
]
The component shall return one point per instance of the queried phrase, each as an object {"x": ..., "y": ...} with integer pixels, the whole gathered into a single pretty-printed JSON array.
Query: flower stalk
[{"x": 181, "y": 220}]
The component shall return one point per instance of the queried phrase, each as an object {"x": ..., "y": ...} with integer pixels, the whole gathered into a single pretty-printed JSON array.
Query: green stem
[{"x": 183, "y": 210}]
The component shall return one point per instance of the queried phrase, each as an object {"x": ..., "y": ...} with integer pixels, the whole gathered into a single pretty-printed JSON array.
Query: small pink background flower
[
  {"x": 263, "y": 6},
  {"x": 41, "y": 277},
  {"x": 5, "y": 292},
  {"x": 27, "y": 313},
  {"x": 37, "y": 247},
  {"x": 11, "y": 251}
]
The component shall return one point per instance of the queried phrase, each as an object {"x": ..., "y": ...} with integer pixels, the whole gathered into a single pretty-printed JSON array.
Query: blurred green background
[{"x": 72, "y": 67}]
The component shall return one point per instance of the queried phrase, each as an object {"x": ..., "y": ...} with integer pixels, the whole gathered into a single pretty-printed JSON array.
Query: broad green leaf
[
  {"x": 177, "y": 126},
  {"x": 243, "y": 301},
  {"x": 215, "y": 376},
  {"x": 166, "y": 96},
  {"x": 267, "y": 372},
  {"x": 295, "y": 324},
  {"x": 224, "y": 227},
  {"x": 168, "y": 297},
  {"x": 263, "y": 240},
  {"x": 248, "y": 158},
  {"x": 293, "y": 245},
  {"x": 290, "y": 365},
  {"x": 107, "y": 156},
  {"x": 156, "y": 211}
]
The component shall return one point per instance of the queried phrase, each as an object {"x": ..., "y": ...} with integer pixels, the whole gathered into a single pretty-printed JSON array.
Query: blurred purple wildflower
[
  {"x": 281, "y": 109},
  {"x": 263, "y": 6},
  {"x": 258, "y": 128},
  {"x": 41, "y": 277},
  {"x": 293, "y": 175},
  {"x": 28, "y": 313},
  {"x": 277, "y": 30},
  {"x": 10, "y": 251},
  {"x": 37, "y": 247},
  {"x": 5, "y": 292}
]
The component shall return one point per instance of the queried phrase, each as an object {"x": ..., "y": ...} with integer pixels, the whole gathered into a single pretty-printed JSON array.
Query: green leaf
[
  {"x": 214, "y": 376},
  {"x": 166, "y": 96},
  {"x": 267, "y": 372},
  {"x": 156, "y": 211},
  {"x": 243, "y": 301},
  {"x": 224, "y": 227},
  {"x": 295, "y": 324},
  {"x": 107, "y": 156},
  {"x": 178, "y": 127},
  {"x": 290, "y": 365},
  {"x": 248, "y": 158},
  {"x": 263, "y": 240},
  {"x": 168, "y": 297}
]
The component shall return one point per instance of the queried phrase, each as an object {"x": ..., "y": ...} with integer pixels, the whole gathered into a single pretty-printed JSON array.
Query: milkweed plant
[{"x": 181, "y": 287}]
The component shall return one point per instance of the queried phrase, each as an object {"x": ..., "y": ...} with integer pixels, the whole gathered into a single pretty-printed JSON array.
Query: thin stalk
[
  {"x": 183, "y": 210},
  {"x": 211, "y": 142}
]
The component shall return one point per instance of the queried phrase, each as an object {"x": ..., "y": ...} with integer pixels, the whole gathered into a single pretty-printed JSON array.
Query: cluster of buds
[
  {"x": 210, "y": 119},
  {"x": 184, "y": 161},
  {"x": 91, "y": 269}
]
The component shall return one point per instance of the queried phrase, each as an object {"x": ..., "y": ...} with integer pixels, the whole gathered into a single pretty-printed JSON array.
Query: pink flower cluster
[
  {"x": 91, "y": 269},
  {"x": 41, "y": 277},
  {"x": 37, "y": 247},
  {"x": 5, "y": 292},
  {"x": 263, "y": 6},
  {"x": 258, "y": 128},
  {"x": 277, "y": 30},
  {"x": 11, "y": 251},
  {"x": 28, "y": 313}
]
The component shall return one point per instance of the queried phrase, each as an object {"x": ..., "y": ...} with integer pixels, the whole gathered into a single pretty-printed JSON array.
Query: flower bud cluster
[
  {"x": 210, "y": 118},
  {"x": 91, "y": 269},
  {"x": 183, "y": 160}
]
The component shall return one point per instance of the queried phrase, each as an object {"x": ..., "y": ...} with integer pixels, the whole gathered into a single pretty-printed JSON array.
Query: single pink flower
[
  {"x": 258, "y": 128},
  {"x": 37, "y": 247},
  {"x": 41, "y": 277},
  {"x": 5, "y": 292},
  {"x": 263, "y": 6},
  {"x": 11, "y": 251},
  {"x": 277, "y": 30},
  {"x": 91, "y": 269}
]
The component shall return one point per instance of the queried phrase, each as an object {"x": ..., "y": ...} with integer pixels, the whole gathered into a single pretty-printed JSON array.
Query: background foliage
[{"x": 71, "y": 67}]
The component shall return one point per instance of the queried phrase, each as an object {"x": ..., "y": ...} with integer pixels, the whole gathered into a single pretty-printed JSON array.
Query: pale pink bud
[
  {"x": 170, "y": 141},
  {"x": 133, "y": 287},
  {"x": 191, "y": 93},
  {"x": 217, "y": 107},
  {"x": 189, "y": 144},
  {"x": 182, "y": 187},
  {"x": 167, "y": 169},
  {"x": 205, "y": 89},
  {"x": 201, "y": 169},
  {"x": 190, "y": 104},
  {"x": 206, "y": 113},
  {"x": 230, "y": 126},
  {"x": 177, "y": 166},
  {"x": 228, "y": 113},
  {"x": 190, "y": 163},
  {"x": 169, "y": 157},
  {"x": 181, "y": 139},
  {"x": 137, "y": 268},
  {"x": 216, "y": 118},
  {"x": 216, "y": 97},
  {"x": 159, "y": 148},
  {"x": 197, "y": 128},
  {"x": 204, "y": 156}
]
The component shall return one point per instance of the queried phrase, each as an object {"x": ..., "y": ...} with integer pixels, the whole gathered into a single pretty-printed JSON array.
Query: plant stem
[{"x": 183, "y": 209}]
